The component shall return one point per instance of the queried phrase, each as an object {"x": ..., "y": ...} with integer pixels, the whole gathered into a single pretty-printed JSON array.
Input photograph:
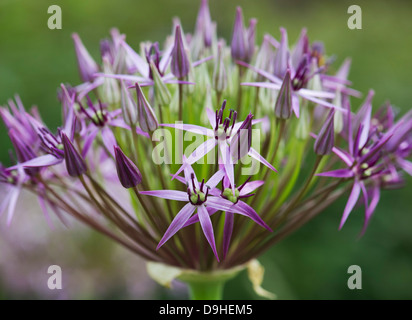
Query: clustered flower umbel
[{"x": 197, "y": 83}]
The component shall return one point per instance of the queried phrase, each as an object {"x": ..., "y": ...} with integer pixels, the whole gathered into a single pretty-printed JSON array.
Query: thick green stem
[
  {"x": 206, "y": 290},
  {"x": 208, "y": 285}
]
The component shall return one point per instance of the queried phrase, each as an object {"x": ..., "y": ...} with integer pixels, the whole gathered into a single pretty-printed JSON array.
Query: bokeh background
[{"x": 312, "y": 263}]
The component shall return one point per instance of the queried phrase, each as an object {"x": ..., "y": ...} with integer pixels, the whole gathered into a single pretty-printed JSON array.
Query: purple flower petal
[
  {"x": 227, "y": 232},
  {"x": 339, "y": 173},
  {"x": 140, "y": 64},
  {"x": 246, "y": 210},
  {"x": 207, "y": 228},
  {"x": 191, "y": 128},
  {"x": 211, "y": 115},
  {"x": 405, "y": 165},
  {"x": 254, "y": 154},
  {"x": 177, "y": 223},
  {"x": 108, "y": 139},
  {"x": 353, "y": 198},
  {"x": 371, "y": 208},
  {"x": 251, "y": 186},
  {"x": 343, "y": 155},
  {"x": 89, "y": 141},
  {"x": 167, "y": 194},
  {"x": 12, "y": 204},
  {"x": 42, "y": 161},
  {"x": 195, "y": 217},
  {"x": 228, "y": 163},
  {"x": 215, "y": 179}
]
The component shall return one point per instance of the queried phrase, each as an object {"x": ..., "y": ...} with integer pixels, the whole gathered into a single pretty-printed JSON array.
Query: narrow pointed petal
[
  {"x": 376, "y": 194},
  {"x": 250, "y": 187},
  {"x": 87, "y": 66},
  {"x": 339, "y": 173},
  {"x": 140, "y": 64},
  {"x": 128, "y": 173},
  {"x": 177, "y": 223},
  {"x": 255, "y": 155},
  {"x": 244, "y": 209},
  {"x": 207, "y": 228},
  {"x": 267, "y": 75},
  {"x": 406, "y": 165},
  {"x": 202, "y": 150},
  {"x": 88, "y": 142},
  {"x": 301, "y": 48},
  {"x": 167, "y": 194},
  {"x": 211, "y": 116},
  {"x": 215, "y": 179},
  {"x": 109, "y": 140},
  {"x": 12, "y": 204},
  {"x": 191, "y": 128},
  {"x": 282, "y": 55},
  {"x": 42, "y": 161},
  {"x": 227, "y": 232},
  {"x": 75, "y": 164},
  {"x": 347, "y": 158},
  {"x": 363, "y": 117},
  {"x": 195, "y": 217},
  {"x": 5, "y": 201},
  {"x": 228, "y": 163},
  {"x": 353, "y": 198}
]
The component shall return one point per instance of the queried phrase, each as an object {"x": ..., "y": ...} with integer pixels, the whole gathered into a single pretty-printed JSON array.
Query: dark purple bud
[
  {"x": 74, "y": 161},
  {"x": 147, "y": 117},
  {"x": 180, "y": 64},
  {"x": 326, "y": 137},
  {"x": 129, "y": 175},
  {"x": 87, "y": 66},
  {"x": 238, "y": 45},
  {"x": 283, "y": 105}
]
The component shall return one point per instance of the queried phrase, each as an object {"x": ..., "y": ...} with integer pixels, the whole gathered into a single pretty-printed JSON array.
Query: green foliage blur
[{"x": 312, "y": 263}]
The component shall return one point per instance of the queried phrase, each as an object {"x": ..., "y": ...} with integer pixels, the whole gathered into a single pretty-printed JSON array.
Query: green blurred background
[{"x": 312, "y": 263}]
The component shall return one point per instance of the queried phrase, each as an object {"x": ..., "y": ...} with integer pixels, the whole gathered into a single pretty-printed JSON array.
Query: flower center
[
  {"x": 228, "y": 194},
  {"x": 197, "y": 196}
]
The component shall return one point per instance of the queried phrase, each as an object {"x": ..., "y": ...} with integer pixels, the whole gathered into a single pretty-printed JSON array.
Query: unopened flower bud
[
  {"x": 74, "y": 161},
  {"x": 326, "y": 137},
  {"x": 147, "y": 117},
  {"x": 219, "y": 73},
  {"x": 162, "y": 94},
  {"x": 129, "y": 175},
  {"x": 180, "y": 65},
  {"x": 283, "y": 105},
  {"x": 129, "y": 107}
]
